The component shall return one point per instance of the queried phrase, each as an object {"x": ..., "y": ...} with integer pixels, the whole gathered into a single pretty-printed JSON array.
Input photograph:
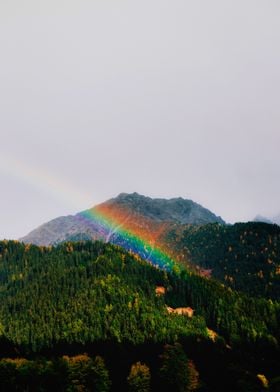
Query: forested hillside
[
  {"x": 110, "y": 294},
  {"x": 244, "y": 256},
  {"x": 96, "y": 298}
]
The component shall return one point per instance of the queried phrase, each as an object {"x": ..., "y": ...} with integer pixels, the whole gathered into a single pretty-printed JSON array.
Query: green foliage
[
  {"x": 88, "y": 292},
  {"x": 83, "y": 293},
  {"x": 87, "y": 374},
  {"x": 91, "y": 294},
  {"x": 244, "y": 256},
  {"x": 68, "y": 374},
  {"x": 275, "y": 385},
  {"x": 233, "y": 315},
  {"x": 8, "y": 374},
  {"x": 174, "y": 372}
]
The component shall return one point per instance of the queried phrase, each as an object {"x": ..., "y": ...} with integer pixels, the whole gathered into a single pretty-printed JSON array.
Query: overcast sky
[{"x": 166, "y": 98}]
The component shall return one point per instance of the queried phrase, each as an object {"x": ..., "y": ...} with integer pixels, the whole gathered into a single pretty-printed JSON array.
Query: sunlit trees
[
  {"x": 139, "y": 379},
  {"x": 87, "y": 374}
]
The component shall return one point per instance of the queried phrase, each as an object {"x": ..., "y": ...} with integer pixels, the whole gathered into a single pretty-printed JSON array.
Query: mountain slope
[
  {"x": 94, "y": 282},
  {"x": 82, "y": 292},
  {"x": 95, "y": 296},
  {"x": 143, "y": 211},
  {"x": 243, "y": 256}
]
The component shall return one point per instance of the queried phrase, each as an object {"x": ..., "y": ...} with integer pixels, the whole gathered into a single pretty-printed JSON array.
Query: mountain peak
[
  {"x": 176, "y": 210},
  {"x": 131, "y": 206}
]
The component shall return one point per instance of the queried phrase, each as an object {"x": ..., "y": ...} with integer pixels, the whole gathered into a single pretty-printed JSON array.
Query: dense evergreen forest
[
  {"x": 86, "y": 316},
  {"x": 244, "y": 256}
]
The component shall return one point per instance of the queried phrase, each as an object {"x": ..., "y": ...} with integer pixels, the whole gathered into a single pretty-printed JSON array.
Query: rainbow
[
  {"x": 110, "y": 224},
  {"x": 41, "y": 179},
  {"x": 116, "y": 230}
]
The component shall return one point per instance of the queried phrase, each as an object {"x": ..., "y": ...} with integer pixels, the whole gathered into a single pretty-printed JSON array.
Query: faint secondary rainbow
[
  {"x": 41, "y": 179},
  {"x": 127, "y": 237},
  {"x": 103, "y": 221}
]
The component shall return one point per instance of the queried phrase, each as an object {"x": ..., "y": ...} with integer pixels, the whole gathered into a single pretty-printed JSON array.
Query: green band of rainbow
[{"x": 117, "y": 233}]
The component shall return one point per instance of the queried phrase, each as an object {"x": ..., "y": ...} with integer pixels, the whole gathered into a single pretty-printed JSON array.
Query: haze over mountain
[
  {"x": 275, "y": 219},
  {"x": 134, "y": 209}
]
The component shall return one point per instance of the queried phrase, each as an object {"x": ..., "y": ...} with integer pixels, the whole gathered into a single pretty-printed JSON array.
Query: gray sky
[{"x": 166, "y": 98}]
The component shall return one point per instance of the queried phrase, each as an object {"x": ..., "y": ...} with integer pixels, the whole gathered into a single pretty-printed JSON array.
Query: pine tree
[{"x": 174, "y": 372}]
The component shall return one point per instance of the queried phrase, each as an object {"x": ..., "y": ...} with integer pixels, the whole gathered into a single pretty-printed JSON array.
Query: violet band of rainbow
[{"x": 123, "y": 236}]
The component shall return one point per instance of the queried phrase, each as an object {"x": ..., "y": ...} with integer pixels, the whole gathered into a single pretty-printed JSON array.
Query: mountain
[
  {"x": 84, "y": 296},
  {"x": 126, "y": 209},
  {"x": 170, "y": 233}
]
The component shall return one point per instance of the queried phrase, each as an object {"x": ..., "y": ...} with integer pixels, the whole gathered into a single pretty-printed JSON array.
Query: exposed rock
[
  {"x": 176, "y": 210},
  {"x": 160, "y": 290},
  {"x": 181, "y": 311},
  {"x": 143, "y": 211}
]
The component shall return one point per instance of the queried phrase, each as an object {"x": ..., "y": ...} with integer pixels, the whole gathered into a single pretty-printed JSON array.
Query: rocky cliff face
[{"x": 131, "y": 211}]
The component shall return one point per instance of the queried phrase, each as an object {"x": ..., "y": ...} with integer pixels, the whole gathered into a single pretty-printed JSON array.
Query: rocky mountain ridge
[{"x": 143, "y": 212}]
